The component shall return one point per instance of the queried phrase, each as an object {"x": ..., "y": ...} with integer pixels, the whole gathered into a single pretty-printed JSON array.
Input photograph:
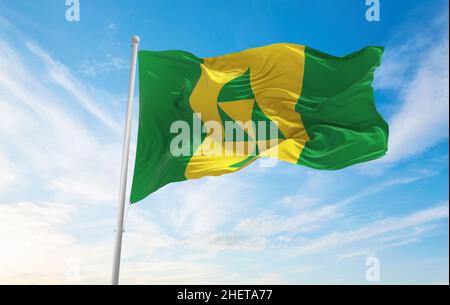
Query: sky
[{"x": 63, "y": 89}]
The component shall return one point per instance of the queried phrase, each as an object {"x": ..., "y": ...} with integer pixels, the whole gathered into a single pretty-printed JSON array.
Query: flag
[{"x": 213, "y": 116}]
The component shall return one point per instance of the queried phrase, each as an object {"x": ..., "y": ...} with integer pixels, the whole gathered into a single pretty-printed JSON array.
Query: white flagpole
[{"x": 124, "y": 169}]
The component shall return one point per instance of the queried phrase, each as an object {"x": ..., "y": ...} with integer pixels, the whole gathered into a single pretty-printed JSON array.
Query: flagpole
[{"x": 124, "y": 168}]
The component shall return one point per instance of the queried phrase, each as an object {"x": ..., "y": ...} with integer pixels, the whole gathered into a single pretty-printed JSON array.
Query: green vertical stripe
[
  {"x": 338, "y": 110},
  {"x": 166, "y": 81}
]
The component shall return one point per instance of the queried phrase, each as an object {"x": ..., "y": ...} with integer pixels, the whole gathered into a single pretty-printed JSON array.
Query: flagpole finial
[{"x": 135, "y": 39}]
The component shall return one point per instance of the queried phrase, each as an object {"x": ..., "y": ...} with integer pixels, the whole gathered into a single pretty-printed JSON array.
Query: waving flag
[{"x": 283, "y": 101}]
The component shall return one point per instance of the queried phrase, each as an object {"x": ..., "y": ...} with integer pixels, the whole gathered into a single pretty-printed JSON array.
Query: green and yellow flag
[{"x": 213, "y": 116}]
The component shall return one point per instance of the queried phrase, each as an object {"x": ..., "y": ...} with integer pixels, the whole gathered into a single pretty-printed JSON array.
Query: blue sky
[{"x": 62, "y": 95}]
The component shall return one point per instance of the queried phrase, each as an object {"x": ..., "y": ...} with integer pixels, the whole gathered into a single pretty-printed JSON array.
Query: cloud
[
  {"x": 306, "y": 214},
  {"x": 59, "y": 145},
  {"x": 299, "y": 201},
  {"x": 46, "y": 134},
  {"x": 303, "y": 221},
  {"x": 32, "y": 248},
  {"x": 112, "y": 26},
  {"x": 422, "y": 119},
  {"x": 111, "y": 64},
  {"x": 41, "y": 247},
  {"x": 61, "y": 76},
  {"x": 8, "y": 173},
  {"x": 375, "y": 231}
]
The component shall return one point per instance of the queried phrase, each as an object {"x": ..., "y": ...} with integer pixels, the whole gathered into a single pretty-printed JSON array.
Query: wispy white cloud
[
  {"x": 418, "y": 71},
  {"x": 110, "y": 64},
  {"x": 61, "y": 76},
  {"x": 8, "y": 173},
  {"x": 112, "y": 26},
  {"x": 376, "y": 230},
  {"x": 47, "y": 137},
  {"x": 308, "y": 214}
]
